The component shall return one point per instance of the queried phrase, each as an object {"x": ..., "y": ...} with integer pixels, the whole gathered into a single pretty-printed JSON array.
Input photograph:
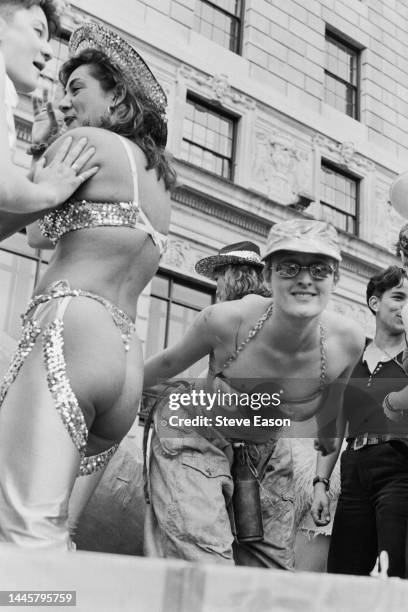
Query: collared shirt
[
  {"x": 373, "y": 355},
  {"x": 10, "y": 103}
]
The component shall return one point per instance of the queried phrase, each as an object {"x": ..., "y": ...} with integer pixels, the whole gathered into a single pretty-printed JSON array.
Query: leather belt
[{"x": 368, "y": 439}]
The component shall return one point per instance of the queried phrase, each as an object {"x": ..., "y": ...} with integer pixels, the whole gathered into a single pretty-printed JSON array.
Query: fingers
[
  {"x": 83, "y": 159},
  {"x": 87, "y": 174},
  {"x": 52, "y": 116},
  {"x": 75, "y": 151},
  {"x": 37, "y": 105},
  {"x": 63, "y": 150}
]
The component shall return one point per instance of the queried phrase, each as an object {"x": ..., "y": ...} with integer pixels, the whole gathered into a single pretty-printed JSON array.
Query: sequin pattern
[
  {"x": 93, "y": 463},
  {"x": 64, "y": 398},
  {"x": 29, "y": 335},
  {"x": 76, "y": 215}
]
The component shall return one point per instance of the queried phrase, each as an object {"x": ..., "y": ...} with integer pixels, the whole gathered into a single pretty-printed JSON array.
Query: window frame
[
  {"x": 216, "y": 109},
  {"x": 341, "y": 40},
  {"x": 325, "y": 163},
  {"x": 237, "y": 19}
]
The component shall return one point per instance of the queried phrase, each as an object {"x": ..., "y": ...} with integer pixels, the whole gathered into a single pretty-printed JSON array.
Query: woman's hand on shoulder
[{"x": 63, "y": 168}]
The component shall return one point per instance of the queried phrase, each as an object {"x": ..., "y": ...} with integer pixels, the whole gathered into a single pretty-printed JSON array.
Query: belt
[{"x": 367, "y": 439}]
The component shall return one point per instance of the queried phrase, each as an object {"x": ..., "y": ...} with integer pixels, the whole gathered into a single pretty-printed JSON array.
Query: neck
[
  {"x": 387, "y": 341},
  {"x": 289, "y": 333}
]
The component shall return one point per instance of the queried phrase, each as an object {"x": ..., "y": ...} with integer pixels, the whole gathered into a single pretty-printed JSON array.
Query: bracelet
[
  {"x": 37, "y": 149},
  {"x": 325, "y": 481},
  {"x": 388, "y": 406}
]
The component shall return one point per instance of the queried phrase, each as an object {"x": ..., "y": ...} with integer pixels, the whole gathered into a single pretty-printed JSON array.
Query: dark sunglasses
[{"x": 318, "y": 270}]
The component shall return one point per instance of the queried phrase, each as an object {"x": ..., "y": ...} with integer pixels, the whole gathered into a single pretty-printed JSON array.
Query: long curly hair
[
  {"x": 236, "y": 281},
  {"x": 133, "y": 117}
]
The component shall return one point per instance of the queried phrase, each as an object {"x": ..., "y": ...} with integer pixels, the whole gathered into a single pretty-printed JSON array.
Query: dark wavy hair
[
  {"x": 48, "y": 6},
  {"x": 391, "y": 277},
  {"x": 235, "y": 281},
  {"x": 134, "y": 117}
]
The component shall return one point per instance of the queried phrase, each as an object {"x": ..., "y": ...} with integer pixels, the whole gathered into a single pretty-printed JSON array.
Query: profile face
[
  {"x": 25, "y": 47},
  {"x": 85, "y": 102},
  {"x": 388, "y": 307},
  {"x": 302, "y": 283}
]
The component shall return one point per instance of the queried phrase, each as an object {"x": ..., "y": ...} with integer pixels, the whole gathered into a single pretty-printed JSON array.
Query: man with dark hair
[
  {"x": 25, "y": 26},
  {"x": 372, "y": 512}
]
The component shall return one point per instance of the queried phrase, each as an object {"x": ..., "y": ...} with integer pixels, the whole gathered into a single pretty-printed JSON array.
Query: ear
[{"x": 373, "y": 303}]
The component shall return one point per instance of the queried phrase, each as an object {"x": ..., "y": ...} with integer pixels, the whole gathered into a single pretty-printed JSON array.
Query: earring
[{"x": 111, "y": 108}]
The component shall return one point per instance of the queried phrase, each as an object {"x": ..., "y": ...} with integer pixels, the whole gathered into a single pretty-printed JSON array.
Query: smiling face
[
  {"x": 25, "y": 47},
  {"x": 302, "y": 295},
  {"x": 85, "y": 101},
  {"x": 388, "y": 306}
]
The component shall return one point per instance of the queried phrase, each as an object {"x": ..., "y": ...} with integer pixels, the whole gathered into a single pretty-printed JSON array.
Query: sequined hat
[
  {"x": 121, "y": 54},
  {"x": 304, "y": 236},
  {"x": 246, "y": 253}
]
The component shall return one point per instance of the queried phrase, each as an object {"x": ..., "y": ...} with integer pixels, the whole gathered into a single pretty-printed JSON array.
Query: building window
[
  {"x": 342, "y": 76},
  {"x": 220, "y": 20},
  {"x": 208, "y": 138},
  {"x": 339, "y": 198},
  {"x": 50, "y": 78},
  {"x": 174, "y": 304}
]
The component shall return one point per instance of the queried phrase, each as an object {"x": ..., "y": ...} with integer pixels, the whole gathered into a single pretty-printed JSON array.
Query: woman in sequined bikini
[
  {"x": 71, "y": 392},
  {"x": 292, "y": 341}
]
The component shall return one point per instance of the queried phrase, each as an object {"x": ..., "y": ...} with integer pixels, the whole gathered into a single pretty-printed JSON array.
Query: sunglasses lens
[
  {"x": 287, "y": 269},
  {"x": 319, "y": 271}
]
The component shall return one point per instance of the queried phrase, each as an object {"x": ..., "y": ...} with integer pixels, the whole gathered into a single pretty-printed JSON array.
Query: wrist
[
  {"x": 320, "y": 481},
  {"x": 37, "y": 149}
]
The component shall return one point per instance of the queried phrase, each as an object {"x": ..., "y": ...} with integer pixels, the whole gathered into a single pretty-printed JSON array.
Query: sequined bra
[{"x": 81, "y": 214}]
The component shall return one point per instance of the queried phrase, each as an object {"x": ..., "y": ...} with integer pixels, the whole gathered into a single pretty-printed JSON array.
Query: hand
[
  {"x": 48, "y": 121},
  {"x": 325, "y": 445},
  {"x": 63, "y": 175},
  {"x": 320, "y": 506}
]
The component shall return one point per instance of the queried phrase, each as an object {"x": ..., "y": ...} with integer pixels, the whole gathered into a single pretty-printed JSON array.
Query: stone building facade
[{"x": 276, "y": 110}]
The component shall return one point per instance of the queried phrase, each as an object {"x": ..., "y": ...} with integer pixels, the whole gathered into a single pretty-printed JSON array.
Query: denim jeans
[
  {"x": 191, "y": 490},
  {"x": 372, "y": 512}
]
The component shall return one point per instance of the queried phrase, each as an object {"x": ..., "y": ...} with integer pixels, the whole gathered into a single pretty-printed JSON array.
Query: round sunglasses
[{"x": 318, "y": 270}]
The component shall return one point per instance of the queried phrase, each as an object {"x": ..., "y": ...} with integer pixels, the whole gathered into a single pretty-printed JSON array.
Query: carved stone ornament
[
  {"x": 356, "y": 312},
  {"x": 386, "y": 222},
  {"x": 71, "y": 17},
  {"x": 344, "y": 154},
  {"x": 216, "y": 88},
  {"x": 281, "y": 169}
]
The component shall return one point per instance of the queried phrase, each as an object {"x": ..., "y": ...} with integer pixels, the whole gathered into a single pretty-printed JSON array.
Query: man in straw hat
[
  {"x": 25, "y": 27},
  {"x": 291, "y": 346},
  {"x": 237, "y": 268}
]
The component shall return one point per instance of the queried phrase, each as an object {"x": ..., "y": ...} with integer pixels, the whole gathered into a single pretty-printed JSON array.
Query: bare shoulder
[
  {"x": 225, "y": 318},
  {"x": 348, "y": 334}
]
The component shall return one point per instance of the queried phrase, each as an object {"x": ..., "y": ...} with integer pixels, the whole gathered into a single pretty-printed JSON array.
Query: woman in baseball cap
[{"x": 290, "y": 343}]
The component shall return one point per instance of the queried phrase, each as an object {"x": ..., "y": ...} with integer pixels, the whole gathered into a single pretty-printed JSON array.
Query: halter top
[{"x": 81, "y": 214}]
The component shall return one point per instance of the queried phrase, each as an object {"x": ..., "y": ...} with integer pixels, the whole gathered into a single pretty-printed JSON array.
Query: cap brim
[
  {"x": 302, "y": 246},
  {"x": 206, "y": 266}
]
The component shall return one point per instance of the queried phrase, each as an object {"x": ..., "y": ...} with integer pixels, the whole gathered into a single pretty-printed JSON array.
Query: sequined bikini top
[{"x": 81, "y": 214}]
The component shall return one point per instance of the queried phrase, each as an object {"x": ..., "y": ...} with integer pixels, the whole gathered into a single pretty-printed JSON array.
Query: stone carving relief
[
  {"x": 182, "y": 256},
  {"x": 386, "y": 222},
  {"x": 356, "y": 312},
  {"x": 215, "y": 87},
  {"x": 281, "y": 169},
  {"x": 343, "y": 153},
  {"x": 70, "y": 16}
]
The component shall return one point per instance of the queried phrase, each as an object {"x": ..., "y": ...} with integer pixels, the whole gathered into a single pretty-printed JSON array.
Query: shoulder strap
[
  {"x": 252, "y": 333},
  {"x": 133, "y": 168},
  {"x": 158, "y": 238}
]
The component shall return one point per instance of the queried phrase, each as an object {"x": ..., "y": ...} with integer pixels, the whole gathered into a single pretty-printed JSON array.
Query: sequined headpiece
[
  {"x": 244, "y": 253},
  {"x": 304, "y": 236},
  {"x": 121, "y": 54}
]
